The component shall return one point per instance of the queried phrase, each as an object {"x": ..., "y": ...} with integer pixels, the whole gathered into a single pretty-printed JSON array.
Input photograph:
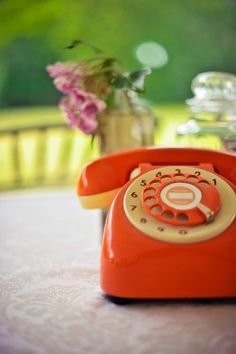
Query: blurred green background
[{"x": 195, "y": 36}]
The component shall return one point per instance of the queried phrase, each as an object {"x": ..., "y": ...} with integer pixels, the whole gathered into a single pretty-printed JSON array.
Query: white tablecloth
[{"x": 50, "y": 300}]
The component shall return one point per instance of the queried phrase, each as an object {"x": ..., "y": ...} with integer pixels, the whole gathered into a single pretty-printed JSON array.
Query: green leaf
[
  {"x": 108, "y": 62},
  {"x": 122, "y": 82},
  {"x": 138, "y": 74},
  {"x": 77, "y": 42},
  {"x": 137, "y": 79}
]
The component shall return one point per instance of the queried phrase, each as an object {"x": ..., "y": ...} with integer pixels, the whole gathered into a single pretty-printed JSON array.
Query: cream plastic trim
[{"x": 101, "y": 200}]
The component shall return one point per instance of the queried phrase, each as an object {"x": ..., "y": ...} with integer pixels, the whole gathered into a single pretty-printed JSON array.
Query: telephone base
[
  {"x": 118, "y": 300},
  {"x": 186, "y": 301},
  {"x": 122, "y": 283},
  {"x": 137, "y": 266}
]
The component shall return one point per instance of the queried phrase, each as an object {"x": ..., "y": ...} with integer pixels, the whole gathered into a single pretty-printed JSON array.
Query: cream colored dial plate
[{"x": 178, "y": 234}]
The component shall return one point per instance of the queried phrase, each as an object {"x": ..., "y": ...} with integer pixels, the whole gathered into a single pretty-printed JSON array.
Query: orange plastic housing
[{"x": 135, "y": 265}]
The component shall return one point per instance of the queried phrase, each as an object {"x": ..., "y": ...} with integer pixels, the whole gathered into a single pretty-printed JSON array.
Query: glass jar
[{"x": 212, "y": 121}]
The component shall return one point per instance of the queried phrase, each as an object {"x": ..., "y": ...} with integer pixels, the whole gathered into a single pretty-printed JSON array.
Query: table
[{"x": 50, "y": 299}]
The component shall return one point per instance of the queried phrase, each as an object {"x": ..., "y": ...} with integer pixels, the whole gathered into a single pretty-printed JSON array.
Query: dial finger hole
[
  {"x": 155, "y": 183},
  {"x": 182, "y": 217},
  {"x": 156, "y": 209},
  {"x": 179, "y": 176},
  {"x": 149, "y": 191},
  {"x": 192, "y": 178},
  {"x": 204, "y": 183},
  {"x": 168, "y": 215},
  {"x": 166, "y": 178},
  {"x": 150, "y": 201}
]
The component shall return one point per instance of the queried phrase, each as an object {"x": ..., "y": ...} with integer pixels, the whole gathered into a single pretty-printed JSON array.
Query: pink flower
[
  {"x": 66, "y": 76},
  {"x": 64, "y": 84},
  {"x": 67, "y": 108},
  {"x": 87, "y": 126},
  {"x": 81, "y": 109},
  {"x": 59, "y": 69},
  {"x": 79, "y": 96}
]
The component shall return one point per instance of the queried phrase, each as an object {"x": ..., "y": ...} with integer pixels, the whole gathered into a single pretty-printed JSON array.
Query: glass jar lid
[{"x": 214, "y": 92}]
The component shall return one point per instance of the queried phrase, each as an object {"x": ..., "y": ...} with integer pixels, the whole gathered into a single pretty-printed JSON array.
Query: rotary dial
[
  {"x": 180, "y": 204},
  {"x": 181, "y": 199}
]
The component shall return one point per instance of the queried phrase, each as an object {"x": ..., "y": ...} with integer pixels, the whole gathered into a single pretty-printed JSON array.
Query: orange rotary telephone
[{"x": 171, "y": 229}]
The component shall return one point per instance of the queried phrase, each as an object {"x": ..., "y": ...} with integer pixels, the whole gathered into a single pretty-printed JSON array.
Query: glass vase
[{"x": 127, "y": 125}]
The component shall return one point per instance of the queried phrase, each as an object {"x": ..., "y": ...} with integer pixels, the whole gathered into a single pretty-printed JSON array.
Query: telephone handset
[{"x": 174, "y": 201}]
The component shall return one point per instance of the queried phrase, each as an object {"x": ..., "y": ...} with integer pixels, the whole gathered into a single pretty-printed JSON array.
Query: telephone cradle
[{"x": 170, "y": 231}]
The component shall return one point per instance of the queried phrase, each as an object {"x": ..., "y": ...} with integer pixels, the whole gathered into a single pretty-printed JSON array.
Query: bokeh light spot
[{"x": 152, "y": 54}]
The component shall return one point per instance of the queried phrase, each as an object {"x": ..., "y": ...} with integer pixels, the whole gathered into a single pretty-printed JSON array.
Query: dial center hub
[{"x": 181, "y": 195}]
